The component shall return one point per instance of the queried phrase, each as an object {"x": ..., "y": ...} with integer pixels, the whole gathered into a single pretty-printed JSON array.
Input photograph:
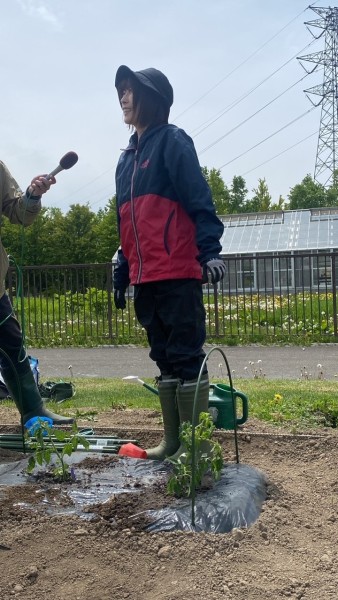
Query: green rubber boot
[
  {"x": 167, "y": 394},
  {"x": 30, "y": 403},
  {"x": 185, "y": 400}
]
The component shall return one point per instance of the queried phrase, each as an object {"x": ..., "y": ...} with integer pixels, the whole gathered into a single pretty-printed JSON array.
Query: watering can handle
[
  {"x": 245, "y": 409},
  {"x": 244, "y": 399}
]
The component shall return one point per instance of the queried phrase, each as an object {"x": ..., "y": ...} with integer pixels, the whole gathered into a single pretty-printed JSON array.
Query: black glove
[
  {"x": 120, "y": 299},
  {"x": 213, "y": 271}
]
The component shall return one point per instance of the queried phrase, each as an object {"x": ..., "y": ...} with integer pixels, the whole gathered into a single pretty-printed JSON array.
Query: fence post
[
  {"x": 10, "y": 284},
  {"x": 216, "y": 310},
  {"x": 109, "y": 300},
  {"x": 334, "y": 295}
]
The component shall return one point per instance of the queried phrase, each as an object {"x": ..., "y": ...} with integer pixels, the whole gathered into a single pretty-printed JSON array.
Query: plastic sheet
[{"x": 234, "y": 501}]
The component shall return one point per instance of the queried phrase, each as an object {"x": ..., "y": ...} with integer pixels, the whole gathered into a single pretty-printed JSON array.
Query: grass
[{"x": 297, "y": 404}]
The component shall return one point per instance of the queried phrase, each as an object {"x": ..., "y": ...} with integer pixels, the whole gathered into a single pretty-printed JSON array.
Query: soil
[{"x": 289, "y": 552}]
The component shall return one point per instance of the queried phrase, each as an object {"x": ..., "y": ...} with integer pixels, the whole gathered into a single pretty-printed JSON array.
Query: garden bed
[{"x": 290, "y": 552}]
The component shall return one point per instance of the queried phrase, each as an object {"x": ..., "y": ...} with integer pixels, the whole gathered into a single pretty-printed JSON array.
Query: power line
[
  {"x": 214, "y": 87},
  {"x": 236, "y": 102},
  {"x": 87, "y": 184},
  {"x": 252, "y": 115},
  {"x": 240, "y": 65},
  {"x": 279, "y": 154},
  {"x": 268, "y": 137}
]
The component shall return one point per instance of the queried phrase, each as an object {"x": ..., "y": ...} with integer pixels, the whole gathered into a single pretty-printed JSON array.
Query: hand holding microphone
[{"x": 41, "y": 183}]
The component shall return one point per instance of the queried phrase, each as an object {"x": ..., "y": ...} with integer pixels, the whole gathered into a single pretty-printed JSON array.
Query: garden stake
[
  {"x": 193, "y": 462},
  {"x": 97, "y": 443}
]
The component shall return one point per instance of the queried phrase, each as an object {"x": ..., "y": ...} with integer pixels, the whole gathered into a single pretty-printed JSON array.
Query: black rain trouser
[
  {"x": 173, "y": 314},
  {"x": 11, "y": 340}
]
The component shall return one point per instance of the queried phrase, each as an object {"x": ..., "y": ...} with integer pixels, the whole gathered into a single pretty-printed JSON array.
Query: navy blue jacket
[{"x": 167, "y": 220}]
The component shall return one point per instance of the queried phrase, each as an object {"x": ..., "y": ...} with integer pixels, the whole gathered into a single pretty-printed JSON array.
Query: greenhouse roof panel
[{"x": 281, "y": 231}]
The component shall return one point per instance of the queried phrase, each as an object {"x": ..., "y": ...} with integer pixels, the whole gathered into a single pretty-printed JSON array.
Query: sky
[{"x": 226, "y": 60}]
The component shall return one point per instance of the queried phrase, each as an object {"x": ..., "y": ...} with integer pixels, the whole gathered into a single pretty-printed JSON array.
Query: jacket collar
[{"x": 133, "y": 141}]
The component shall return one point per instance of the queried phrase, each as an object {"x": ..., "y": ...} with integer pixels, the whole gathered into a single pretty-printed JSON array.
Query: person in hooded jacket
[
  {"x": 170, "y": 243},
  {"x": 19, "y": 208}
]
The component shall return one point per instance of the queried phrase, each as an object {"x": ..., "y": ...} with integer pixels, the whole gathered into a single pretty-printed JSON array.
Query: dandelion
[{"x": 278, "y": 397}]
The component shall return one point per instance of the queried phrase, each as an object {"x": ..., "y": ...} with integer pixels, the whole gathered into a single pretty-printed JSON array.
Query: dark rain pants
[
  {"x": 11, "y": 341},
  {"x": 173, "y": 315}
]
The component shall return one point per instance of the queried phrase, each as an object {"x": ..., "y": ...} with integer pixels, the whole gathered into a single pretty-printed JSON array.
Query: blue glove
[
  {"x": 120, "y": 299},
  {"x": 213, "y": 270}
]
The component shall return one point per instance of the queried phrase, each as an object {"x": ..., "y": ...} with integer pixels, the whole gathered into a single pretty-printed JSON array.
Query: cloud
[{"x": 37, "y": 9}]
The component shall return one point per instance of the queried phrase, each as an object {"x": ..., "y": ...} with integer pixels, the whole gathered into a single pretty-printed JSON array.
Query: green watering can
[
  {"x": 220, "y": 403},
  {"x": 221, "y": 409}
]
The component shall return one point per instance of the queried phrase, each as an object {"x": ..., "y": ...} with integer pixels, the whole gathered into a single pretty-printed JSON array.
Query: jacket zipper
[{"x": 138, "y": 279}]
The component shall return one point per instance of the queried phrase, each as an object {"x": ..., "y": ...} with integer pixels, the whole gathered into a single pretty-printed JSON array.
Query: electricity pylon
[{"x": 327, "y": 148}]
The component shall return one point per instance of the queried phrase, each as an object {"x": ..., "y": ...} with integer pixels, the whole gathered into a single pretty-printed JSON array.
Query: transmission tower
[{"x": 327, "y": 148}]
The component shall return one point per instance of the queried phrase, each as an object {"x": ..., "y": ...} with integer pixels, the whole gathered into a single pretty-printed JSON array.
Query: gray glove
[
  {"x": 120, "y": 299},
  {"x": 213, "y": 271}
]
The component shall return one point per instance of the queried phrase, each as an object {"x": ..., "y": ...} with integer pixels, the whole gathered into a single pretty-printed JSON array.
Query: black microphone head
[{"x": 69, "y": 160}]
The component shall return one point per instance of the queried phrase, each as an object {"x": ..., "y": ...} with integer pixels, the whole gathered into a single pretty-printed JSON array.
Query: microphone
[{"x": 66, "y": 162}]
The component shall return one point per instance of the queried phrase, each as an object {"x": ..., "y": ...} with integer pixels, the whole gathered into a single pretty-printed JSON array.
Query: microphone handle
[{"x": 54, "y": 172}]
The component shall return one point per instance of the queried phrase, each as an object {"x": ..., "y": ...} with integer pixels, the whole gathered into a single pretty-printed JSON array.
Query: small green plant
[
  {"x": 88, "y": 415},
  {"x": 208, "y": 457},
  {"x": 326, "y": 411},
  {"x": 49, "y": 443}
]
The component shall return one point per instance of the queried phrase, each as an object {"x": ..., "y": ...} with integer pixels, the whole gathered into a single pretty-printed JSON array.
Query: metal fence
[{"x": 284, "y": 297}]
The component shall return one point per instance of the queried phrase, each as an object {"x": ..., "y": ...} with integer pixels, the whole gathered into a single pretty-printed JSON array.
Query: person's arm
[
  {"x": 194, "y": 193},
  {"x": 19, "y": 207}
]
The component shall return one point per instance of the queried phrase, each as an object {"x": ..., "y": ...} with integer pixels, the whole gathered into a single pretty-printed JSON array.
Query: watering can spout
[{"x": 136, "y": 379}]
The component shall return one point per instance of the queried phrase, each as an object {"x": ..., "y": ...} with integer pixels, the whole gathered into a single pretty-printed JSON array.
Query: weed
[
  {"x": 326, "y": 412},
  {"x": 88, "y": 415},
  {"x": 256, "y": 371}
]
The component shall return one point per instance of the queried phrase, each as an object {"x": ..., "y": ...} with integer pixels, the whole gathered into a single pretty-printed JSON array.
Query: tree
[
  {"x": 36, "y": 244},
  {"x": 307, "y": 194},
  {"x": 105, "y": 231},
  {"x": 332, "y": 191},
  {"x": 80, "y": 244},
  {"x": 237, "y": 196},
  {"x": 280, "y": 205},
  {"x": 219, "y": 190},
  {"x": 261, "y": 200},
  {"x": 43, "y": 243}
]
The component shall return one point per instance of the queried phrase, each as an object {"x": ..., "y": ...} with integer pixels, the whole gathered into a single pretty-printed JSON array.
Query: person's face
[{"x": 126, "y": 100}]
